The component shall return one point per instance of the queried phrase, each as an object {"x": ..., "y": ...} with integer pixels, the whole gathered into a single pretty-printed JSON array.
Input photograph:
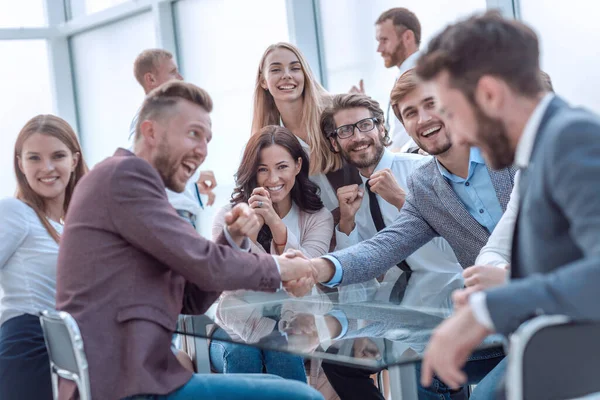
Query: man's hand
[
  {"x": 297, "y": 273},
  {"x": 240, "y": 222},
  {"x": 358, "y": 89},
  {"x": 206, "y": 183},
  {"x": 350, "y": 198},
  {"x": 385, "y": 184},
  {"x": 478, "y": 278},
  {"x": 449, "y": 347}
]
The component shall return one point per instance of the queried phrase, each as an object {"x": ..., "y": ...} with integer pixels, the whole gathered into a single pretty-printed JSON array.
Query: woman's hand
[{"x": 260, "y": 202}]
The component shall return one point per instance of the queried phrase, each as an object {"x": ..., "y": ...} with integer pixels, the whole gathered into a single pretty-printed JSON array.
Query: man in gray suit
[{"x": 485, "y": 72}]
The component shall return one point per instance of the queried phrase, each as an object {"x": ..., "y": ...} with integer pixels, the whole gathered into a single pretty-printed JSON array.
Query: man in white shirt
[
  {"x": 398, "y": 34},
  {"x": 152, "y": 68},
  {"x": 496, "y": 101}
]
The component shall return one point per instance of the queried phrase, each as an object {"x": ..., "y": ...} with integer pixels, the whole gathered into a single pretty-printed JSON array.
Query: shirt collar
[
  {"x": 525, "y": 144},
  {"x": 409, "y": 63},
  {"x": 386, "y": 162},
  {"x": 475, "y": 157}
]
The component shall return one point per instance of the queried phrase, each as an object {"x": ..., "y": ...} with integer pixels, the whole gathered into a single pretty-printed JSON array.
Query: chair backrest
[
  {"x": 65, "y": 350},
  {"x": 552, "y": 357}
]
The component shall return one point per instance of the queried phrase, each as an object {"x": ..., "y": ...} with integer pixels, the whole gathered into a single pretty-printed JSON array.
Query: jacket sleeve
[
  {"x": 142, "y": 215},
  {"x": 373, "y": 257}
]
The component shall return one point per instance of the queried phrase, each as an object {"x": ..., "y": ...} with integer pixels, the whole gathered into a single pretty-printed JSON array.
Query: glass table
[{"x": 374, "y": 325}]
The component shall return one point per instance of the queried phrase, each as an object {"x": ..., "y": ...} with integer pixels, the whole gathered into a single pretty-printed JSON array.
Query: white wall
[
  {"x": 220, "y": 44},
  {"x": 569, "y": 37},
  {"x": 108, "y": 95},
  {"x": 351, "y": 48},
  {"x": 25, "y": 93}
]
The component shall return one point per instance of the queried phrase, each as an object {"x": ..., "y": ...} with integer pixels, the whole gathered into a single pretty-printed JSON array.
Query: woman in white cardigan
[{"x": 273, "y": 180}]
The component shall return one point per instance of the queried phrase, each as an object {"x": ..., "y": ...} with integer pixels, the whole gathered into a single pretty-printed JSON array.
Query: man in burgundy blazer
[{"x": 129, "y": 265}]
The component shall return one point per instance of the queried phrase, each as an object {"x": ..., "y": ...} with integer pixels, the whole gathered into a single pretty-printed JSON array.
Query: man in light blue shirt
[{"x": 476, "y": 191}]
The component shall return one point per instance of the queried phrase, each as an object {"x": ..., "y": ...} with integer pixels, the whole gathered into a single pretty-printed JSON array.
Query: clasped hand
[{"x": 298, "y": 273}]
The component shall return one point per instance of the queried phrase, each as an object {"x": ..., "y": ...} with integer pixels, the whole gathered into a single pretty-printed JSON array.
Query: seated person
[
  {"x": 128, "y": 265},
  {"x": 273, "y": 180},
  {"x": 48, "y": 165}
]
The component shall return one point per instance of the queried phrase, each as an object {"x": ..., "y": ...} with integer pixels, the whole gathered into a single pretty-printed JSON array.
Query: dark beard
[
  {"x": 365, "y": 163},
  {"x": 492, "y": 135}
]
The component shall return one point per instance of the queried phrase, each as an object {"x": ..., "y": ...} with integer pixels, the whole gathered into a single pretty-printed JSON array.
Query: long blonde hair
[
  {"x": 49, "y": 125},
  {"x": 314, "y": 98}
]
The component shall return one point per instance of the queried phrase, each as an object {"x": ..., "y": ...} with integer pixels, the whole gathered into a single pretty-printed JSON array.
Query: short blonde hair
[
  {"x": 404, "y": 86},
  {"x": 162, "y": 99},
  {"x": 148, "y": 61}
]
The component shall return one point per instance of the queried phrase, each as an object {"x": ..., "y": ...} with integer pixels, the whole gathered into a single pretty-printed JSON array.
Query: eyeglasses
[{"x": 364, "y": 125}]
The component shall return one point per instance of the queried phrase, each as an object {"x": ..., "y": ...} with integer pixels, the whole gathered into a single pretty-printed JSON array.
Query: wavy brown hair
[
  {"x": 305, "y": 193},
  {"x": 54, "y": 126}
]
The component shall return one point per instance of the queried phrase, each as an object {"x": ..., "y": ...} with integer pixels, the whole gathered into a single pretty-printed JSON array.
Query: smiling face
[
  {"x": 47, "y": 164},
  {"x": 422, "y": 123},
  {"x": 471, "y": 126},
  {"x": 277, "y": 172},
  {"x": 362, "y": 149},
  {"x": 179, "y": 143},
  {"x": 390, "y": 45},
  {"x": 283, "y": 76}
]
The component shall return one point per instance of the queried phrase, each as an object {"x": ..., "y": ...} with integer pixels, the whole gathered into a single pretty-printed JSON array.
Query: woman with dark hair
[
  {"x": 48, "y": 164},
  {"x": 273, "y": 180}
]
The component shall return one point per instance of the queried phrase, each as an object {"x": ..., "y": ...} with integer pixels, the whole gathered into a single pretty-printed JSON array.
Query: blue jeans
[
  {"x": 489, "y": 386},
  {"x": 233, "y": 358},
  {"x": 241, "y": 386}
]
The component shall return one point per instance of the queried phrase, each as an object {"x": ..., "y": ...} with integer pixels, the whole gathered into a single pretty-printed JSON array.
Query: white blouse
[
  {"x": 28, "y": 258},
  {"x": 328, "y": 195}
]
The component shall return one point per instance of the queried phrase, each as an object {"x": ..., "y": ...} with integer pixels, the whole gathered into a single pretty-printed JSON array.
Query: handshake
[{"x": 298, "y": 273}]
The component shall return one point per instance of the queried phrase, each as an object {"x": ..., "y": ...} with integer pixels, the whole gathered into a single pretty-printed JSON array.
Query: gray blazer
[
  {"x": 431, "y": 209},
  {"x": 556, "y": 246}
]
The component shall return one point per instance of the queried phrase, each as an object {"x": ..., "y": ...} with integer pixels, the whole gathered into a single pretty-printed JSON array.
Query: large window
[
  {"x": 108, "y": 96},
  {"x": 84, "y": 7},
  {"x": 25, "y": 93},
  {"x": 220, "y": 45},
  {"x": 568, "y": 34},
  {"x": 22, "y": 13},
  {"x": 351, "y": 48}
]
